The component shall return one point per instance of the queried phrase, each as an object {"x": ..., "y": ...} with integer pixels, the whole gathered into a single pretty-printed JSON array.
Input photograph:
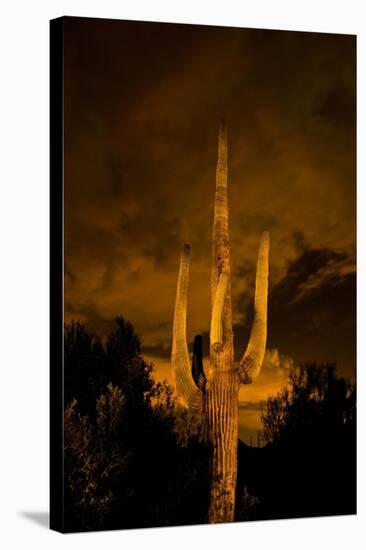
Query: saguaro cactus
[{"x": 214, "y": 393}]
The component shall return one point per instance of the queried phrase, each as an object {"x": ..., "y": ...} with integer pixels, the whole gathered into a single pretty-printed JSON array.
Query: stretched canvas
[{"x": 203, "y": 274}]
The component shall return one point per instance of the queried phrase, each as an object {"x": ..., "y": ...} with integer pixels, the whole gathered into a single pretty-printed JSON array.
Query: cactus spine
[{"x": 214, "y": 394}]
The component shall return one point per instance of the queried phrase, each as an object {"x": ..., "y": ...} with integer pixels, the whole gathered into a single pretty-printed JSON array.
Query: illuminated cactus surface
[{"x": 214, "y": 394}]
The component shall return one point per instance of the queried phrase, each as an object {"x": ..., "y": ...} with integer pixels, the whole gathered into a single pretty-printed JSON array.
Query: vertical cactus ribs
[{"x": 216, "y": 396}]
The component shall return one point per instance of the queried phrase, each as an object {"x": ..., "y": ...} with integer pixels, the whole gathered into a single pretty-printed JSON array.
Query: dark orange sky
[{"x": 142, "y": 107}]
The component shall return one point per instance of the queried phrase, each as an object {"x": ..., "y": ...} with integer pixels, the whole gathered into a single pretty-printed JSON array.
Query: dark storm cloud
[
  {"x": 313, "y": 309},
  {"x": 142, "y": 106}
]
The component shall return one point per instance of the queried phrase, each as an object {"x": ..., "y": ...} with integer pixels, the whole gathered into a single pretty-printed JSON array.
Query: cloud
[
  {"x": 140, "y": 159},
  {"x": 276, "y": 362},
  {"x": 334, "y": 272},
  {"x": 274, "y": 376}
]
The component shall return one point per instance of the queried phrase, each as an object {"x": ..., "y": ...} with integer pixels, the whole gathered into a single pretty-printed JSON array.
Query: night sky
[{"x": 143, "y": 102}]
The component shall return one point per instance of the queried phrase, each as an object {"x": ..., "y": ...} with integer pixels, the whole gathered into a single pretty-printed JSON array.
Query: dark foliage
[
  {"x": 84, "y": 367},
  {"x": 90, "y": 366},
  {"x": 308, "y": 467},
  {"x": 133, "y": 458}
]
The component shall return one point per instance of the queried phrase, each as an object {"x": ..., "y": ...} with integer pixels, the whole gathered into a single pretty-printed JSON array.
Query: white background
[{"x": 24, "y": 257}]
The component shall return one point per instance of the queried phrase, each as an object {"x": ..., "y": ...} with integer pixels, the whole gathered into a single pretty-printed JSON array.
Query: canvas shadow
[{"x": 40, "y": 518}]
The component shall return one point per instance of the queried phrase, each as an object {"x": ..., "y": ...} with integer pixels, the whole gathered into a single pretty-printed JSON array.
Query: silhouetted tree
[
  {"x": 133, "y": 457},
  {"x": 84, "y": 367},
  {"x": 95, "y": 460},
  {"x": 125, "y": 365},
  {"x": 317, "y": 404},
  {"x": 90, "y": 365},
  {"x": 311, "y": 450}
]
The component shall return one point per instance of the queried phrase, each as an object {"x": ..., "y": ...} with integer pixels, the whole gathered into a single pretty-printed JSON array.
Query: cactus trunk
[
  {"x": 214, "y": 394},
  {"x": 221, "y": 416},
  {"x": 221, "y": 397}
]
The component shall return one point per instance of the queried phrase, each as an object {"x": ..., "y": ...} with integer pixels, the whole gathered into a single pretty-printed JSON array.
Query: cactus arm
[
  {"x": 216, "y": 332},
  {"x": 251, "y": 362},
  {"x": 197, "y": 364},
  {"x": 186, "y": 389}
]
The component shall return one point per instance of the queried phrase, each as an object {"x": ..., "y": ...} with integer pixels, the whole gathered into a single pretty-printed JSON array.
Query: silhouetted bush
[
  {"x": 133, "y": 457},
  {"x": 311, "y": 450},
  {"x": 317, "y": 405}
]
